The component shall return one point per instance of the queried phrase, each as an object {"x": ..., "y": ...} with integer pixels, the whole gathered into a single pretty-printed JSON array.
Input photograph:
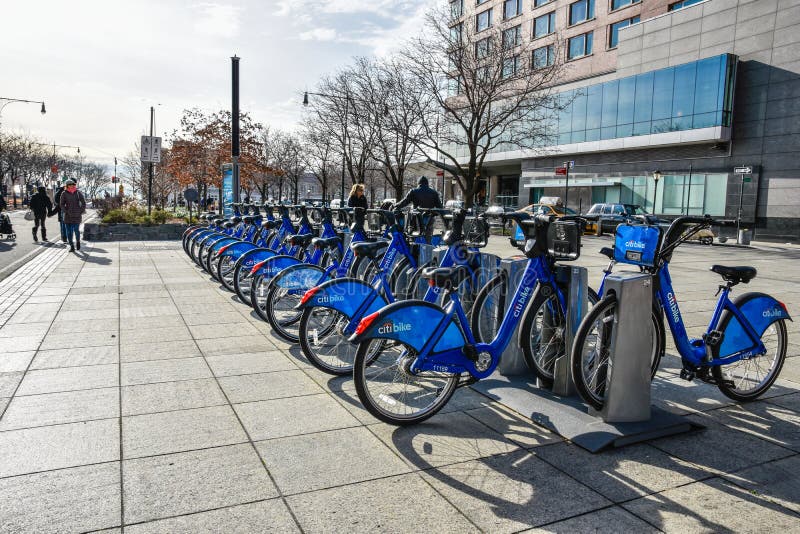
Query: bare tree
[
  {"x": 486, "y": 89},
  {"x": 320, "y": 155},
  {"x": 94, "y": 179}
]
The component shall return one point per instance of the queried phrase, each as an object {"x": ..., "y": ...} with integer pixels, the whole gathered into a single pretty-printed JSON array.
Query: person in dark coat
[
  {"x": 3, "y": 204},
  {"x": 357, "y": 198},
  {"x": 57, "y": 210},
  {"x": 73, "y": 206},
  {"x": 42, "y": 207},
  {"x": 423, "y": 197}
]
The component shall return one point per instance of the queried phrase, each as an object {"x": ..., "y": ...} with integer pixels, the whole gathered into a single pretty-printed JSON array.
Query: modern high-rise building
[{"x": 706, "y": 92}]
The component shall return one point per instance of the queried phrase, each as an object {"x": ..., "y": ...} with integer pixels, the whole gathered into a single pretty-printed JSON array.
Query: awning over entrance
[{"x": 574, "y": 182}]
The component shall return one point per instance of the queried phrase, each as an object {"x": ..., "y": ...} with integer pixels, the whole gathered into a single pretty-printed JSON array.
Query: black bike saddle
[
  {"x": 735, "y": 274},
  {"x": 368, "y": 250}
]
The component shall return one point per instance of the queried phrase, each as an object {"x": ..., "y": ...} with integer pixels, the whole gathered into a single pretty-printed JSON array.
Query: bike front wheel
[
  {"x": 591, "y": 350},
  {"x": 391, "y": 392}
]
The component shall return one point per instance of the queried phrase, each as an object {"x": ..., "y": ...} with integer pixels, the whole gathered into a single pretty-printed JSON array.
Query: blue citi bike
[
  {"x": 741, "y": 352},
  {"x": 429, "y": 351}
]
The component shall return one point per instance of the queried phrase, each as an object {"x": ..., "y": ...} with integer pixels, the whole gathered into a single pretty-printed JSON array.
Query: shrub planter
[{"x": 132, "y": 232}]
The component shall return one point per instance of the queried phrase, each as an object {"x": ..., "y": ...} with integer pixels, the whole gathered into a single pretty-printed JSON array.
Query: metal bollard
[
  {"x": 577, "y": 305},
  {"x": 628, "y": 380},
  {"x": 512, "y": 362}
]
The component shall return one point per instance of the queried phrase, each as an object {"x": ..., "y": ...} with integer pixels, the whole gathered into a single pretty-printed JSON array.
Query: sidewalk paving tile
[
  {"x": 775, "y": 481},
  {"x": 9, "y": 382},
  {"x": 15, "y": 361},
  {"x": 713, "y": 506},
  {"x": 183, "y": 430},
  {"x": 29, "y": 329},
  {"x": 266, "y": 386},
  {"x": 513, "y": 426},
  {"x": 250, "y": 363},
  {"x": 21, "y": 343},
  {"x": 66, "y": 500},
  {"x": 211, "y": 319},
  {"x": 606, "y": 521},
  {"x": 187, "y": 482},
  {"x": 445, "y": 439},
  {"x": 270, "y": 515},
  {"x": 159, "y": 350},
  {"x": 622, "y": 474},
  {"x": 240, "y": 329},
  {"x": 83, "y": 305},
  {"x": 48, "y": 359},
  {"x": 168, "y": 396},
  {"x": 163, "y": 334},
  {"x": 397, "y": 504},
  {"x": 293, "y": 416},
  {"x": 85, "y": 326},
  {"x": 146, "y": 323},
  {"x": 70, "y": 317},
  {"x": 511, "y": 492},
  {"x": 235, "y": 345},
  {"x": 770, "y": 422},
  {"x": 326, "y": 459},
  {"x": 148, "y": 372},
  {"x": 59, "y": 408},
  {"x": 86, "y": 339},
  {"x": 32, "y": 450},
  {"x": 69, "y": 379}
]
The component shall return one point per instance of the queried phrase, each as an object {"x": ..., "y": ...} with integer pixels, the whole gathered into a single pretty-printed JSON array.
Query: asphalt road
[{"x": 14, "y": 253}]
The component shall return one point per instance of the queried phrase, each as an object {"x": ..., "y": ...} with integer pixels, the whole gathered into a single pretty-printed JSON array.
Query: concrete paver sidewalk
[{"x": 136, "y": 393}]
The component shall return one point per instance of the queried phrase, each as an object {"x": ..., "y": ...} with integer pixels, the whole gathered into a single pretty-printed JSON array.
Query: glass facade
[
  {"x": 483, "y": 20},
  {"x": 684, "y": 3},
  {"x": 689, "y": 96},
  {"x": 544, "y": 56},
  {"x": 617, "y": 4},
  {"x": 512, "y": 8},
  {"x": 580, "y": 11},
  {"x": 544, "y": 25},
  {"x": 512, "y": 37},
  {"x": 580, "y": 45},
  {"x": 678, "y": 194}
]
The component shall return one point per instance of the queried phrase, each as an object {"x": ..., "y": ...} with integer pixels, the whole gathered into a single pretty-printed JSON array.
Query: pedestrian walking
[
  {"x": 42, "y": 207},
  {"x": 73, "y": 206},
  {"x": 423, "y": 197},
  {"x": 57, "y": 200},
  {"x": 3, "y": 204},
  {"x": 357, "y": 198}
]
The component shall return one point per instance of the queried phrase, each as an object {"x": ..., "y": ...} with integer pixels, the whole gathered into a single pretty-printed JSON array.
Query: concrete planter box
[{"x": 132, "y": 232}]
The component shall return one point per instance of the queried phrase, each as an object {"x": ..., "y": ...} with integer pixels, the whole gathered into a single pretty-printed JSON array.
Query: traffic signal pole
[{"x": 150, "y": 172}]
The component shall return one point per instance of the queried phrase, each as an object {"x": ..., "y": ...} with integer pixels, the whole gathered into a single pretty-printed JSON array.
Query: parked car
[
  {"x": 337, "y": 203},
  {"x": 705, "y": 236},
  {"x": 603, "y": 218},
  {"x": 548, "y": 209},
  {"x": 454, "y": 204}
]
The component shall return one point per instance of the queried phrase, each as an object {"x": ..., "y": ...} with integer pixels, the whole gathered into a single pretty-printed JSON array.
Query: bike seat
[
  {"x": 236, "y": 220},
  {"x": 446, "y": 277},
  {"x": 270, "y": 225},
  {"x": 368, "y": 250},
  {"x": 607, "y": 252},
  {"x": 228, "y": 225},
  {"x": 248, "y": 219},
  {"x": 219, "y": 222},
  {"x": 300, "y": 240},
  {"x": 735, "y": 274},
  {"x": 325, "y": 242}
]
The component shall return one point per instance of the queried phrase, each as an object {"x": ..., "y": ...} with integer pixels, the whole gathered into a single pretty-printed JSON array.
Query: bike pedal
[
  {"x": 687, "y": 375},
  {"x": 713, "y": 338}
]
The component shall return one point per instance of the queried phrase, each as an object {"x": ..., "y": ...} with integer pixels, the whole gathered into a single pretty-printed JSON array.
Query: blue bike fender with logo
[
  {"x": 214, "y": 246},
  {"x": 256, "y": 255},
  {"x": 346, "y": 295},
  {"x": 202, "y": 234},
  {"x": 276, "y": 264},
  {"x": 212, "y": 238},
  {"x": 301, "y": 276},
  {"x": 237, "y": 250},
  {"x": 413, "y": 322},
  {"x": 761, "y": 311}
]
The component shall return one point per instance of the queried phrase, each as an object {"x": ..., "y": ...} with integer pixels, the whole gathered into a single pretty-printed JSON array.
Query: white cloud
[
  {"x": 319, "y": 34},
  {"x": 217, "y": 19}
]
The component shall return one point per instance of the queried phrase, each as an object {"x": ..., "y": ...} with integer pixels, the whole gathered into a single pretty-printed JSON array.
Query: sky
[{"x": 100, "y": 64}]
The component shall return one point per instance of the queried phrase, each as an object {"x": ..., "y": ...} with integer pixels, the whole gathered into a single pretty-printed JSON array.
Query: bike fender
[
  {"x": 345, "y": 295},
  {"x": 214, "y": 246},
  {"x": 252, "y": 257},
  {"x": 211, "y": 238},
  {"x": 272, "y": 266},
  {"x": 300, "y": 276},
  {"x": 202, "y": 234},
  {"x": 761, "y": 311},
  {"x": 236, "y": 250},
  {"x": 413, "y": 322}
]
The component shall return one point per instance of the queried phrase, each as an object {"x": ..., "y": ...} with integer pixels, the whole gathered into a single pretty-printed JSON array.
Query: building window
[
  {"x": 455, "y": 33},
  {"x": 544, "y": 56},
  {"x": 512, "y": 37},
  {"x": 619, "y": 4},
  {"x": 456, "y": 8},
  {"x": 510, "y": 66},
  {"x": 483, "y": 48},
  {"x": 455, "y": 86},
  {"x": 483, "y": 20},
  {"x": 537, "y": 3},
  {"x": 613, "y": 30},
  {"x": 512, "y": 8},
  {"x": 544, "y": 25},
  {"x": 479, "y": 2},
  {"x": 580, "y": 11},
  {"x": 684, "y": 3},
  {"x": 580, "y": 45}
]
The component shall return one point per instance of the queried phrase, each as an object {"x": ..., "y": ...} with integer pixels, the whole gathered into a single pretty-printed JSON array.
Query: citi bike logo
[
  {"x": 326, "y": 299},
  {"x": 673, "y": 307},
  {"x": 389, "y": 258},
  {"x": 635, "y": 244},
  {"x": 390, "y": 327},
  {"x": 774, "y": 312},
  {"x": 523, "y": 298}
]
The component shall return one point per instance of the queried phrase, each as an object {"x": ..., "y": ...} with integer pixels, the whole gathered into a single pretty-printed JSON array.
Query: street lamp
[
  {"x": 7, "y": 101},
  {"x": 656, "y": 177}
]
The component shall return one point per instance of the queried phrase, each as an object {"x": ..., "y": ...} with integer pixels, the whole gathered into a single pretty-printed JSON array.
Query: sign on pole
[
  {"x": 561, "y": 170},
  {"x": 151, "y": 149},
  {"x": 743, "y": 170}
]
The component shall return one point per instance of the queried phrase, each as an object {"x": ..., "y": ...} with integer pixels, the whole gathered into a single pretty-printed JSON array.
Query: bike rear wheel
[
  {"x": 226, "y": 271},
  {"x": 391, "y": 392},
  {"x": 258, "y": 295},
  {"x": 242, "y": 282}
]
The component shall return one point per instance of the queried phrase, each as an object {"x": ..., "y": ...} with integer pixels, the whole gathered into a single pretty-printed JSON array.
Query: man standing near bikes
[
  {"x": 42, "y": 207},
  {"x": 425, "y": 198}
]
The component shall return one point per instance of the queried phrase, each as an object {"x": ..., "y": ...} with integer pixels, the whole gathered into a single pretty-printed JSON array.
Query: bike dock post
[
  {"x": 577, "y": 306},
  {"x": 627, "y": 397},
  {"x": 512, "y": 362}
]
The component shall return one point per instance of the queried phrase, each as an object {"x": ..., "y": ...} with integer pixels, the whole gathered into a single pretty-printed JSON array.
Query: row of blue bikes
[{"x": 412, "y": 319}]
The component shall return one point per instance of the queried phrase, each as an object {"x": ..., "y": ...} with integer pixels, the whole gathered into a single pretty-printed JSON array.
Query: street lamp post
[
  {"x": 6, "y": 101},
  {"x": 656, "y": 177}
]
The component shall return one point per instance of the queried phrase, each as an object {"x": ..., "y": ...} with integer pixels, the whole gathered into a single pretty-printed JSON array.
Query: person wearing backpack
[
  {"x": 42, "y": 207},
  {"x": 73, "y": 206}
]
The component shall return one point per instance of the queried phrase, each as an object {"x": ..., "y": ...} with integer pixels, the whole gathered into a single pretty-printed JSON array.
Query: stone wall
[{"x": 132, "y": 232}]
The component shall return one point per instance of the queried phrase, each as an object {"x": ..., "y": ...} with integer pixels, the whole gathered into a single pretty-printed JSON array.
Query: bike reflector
[
  {"x": 308, "y": 294},
  {"x": 637, "y": 244},
  {"x": 257, "y": 266},
  {"x": 366, "y": 322}
]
